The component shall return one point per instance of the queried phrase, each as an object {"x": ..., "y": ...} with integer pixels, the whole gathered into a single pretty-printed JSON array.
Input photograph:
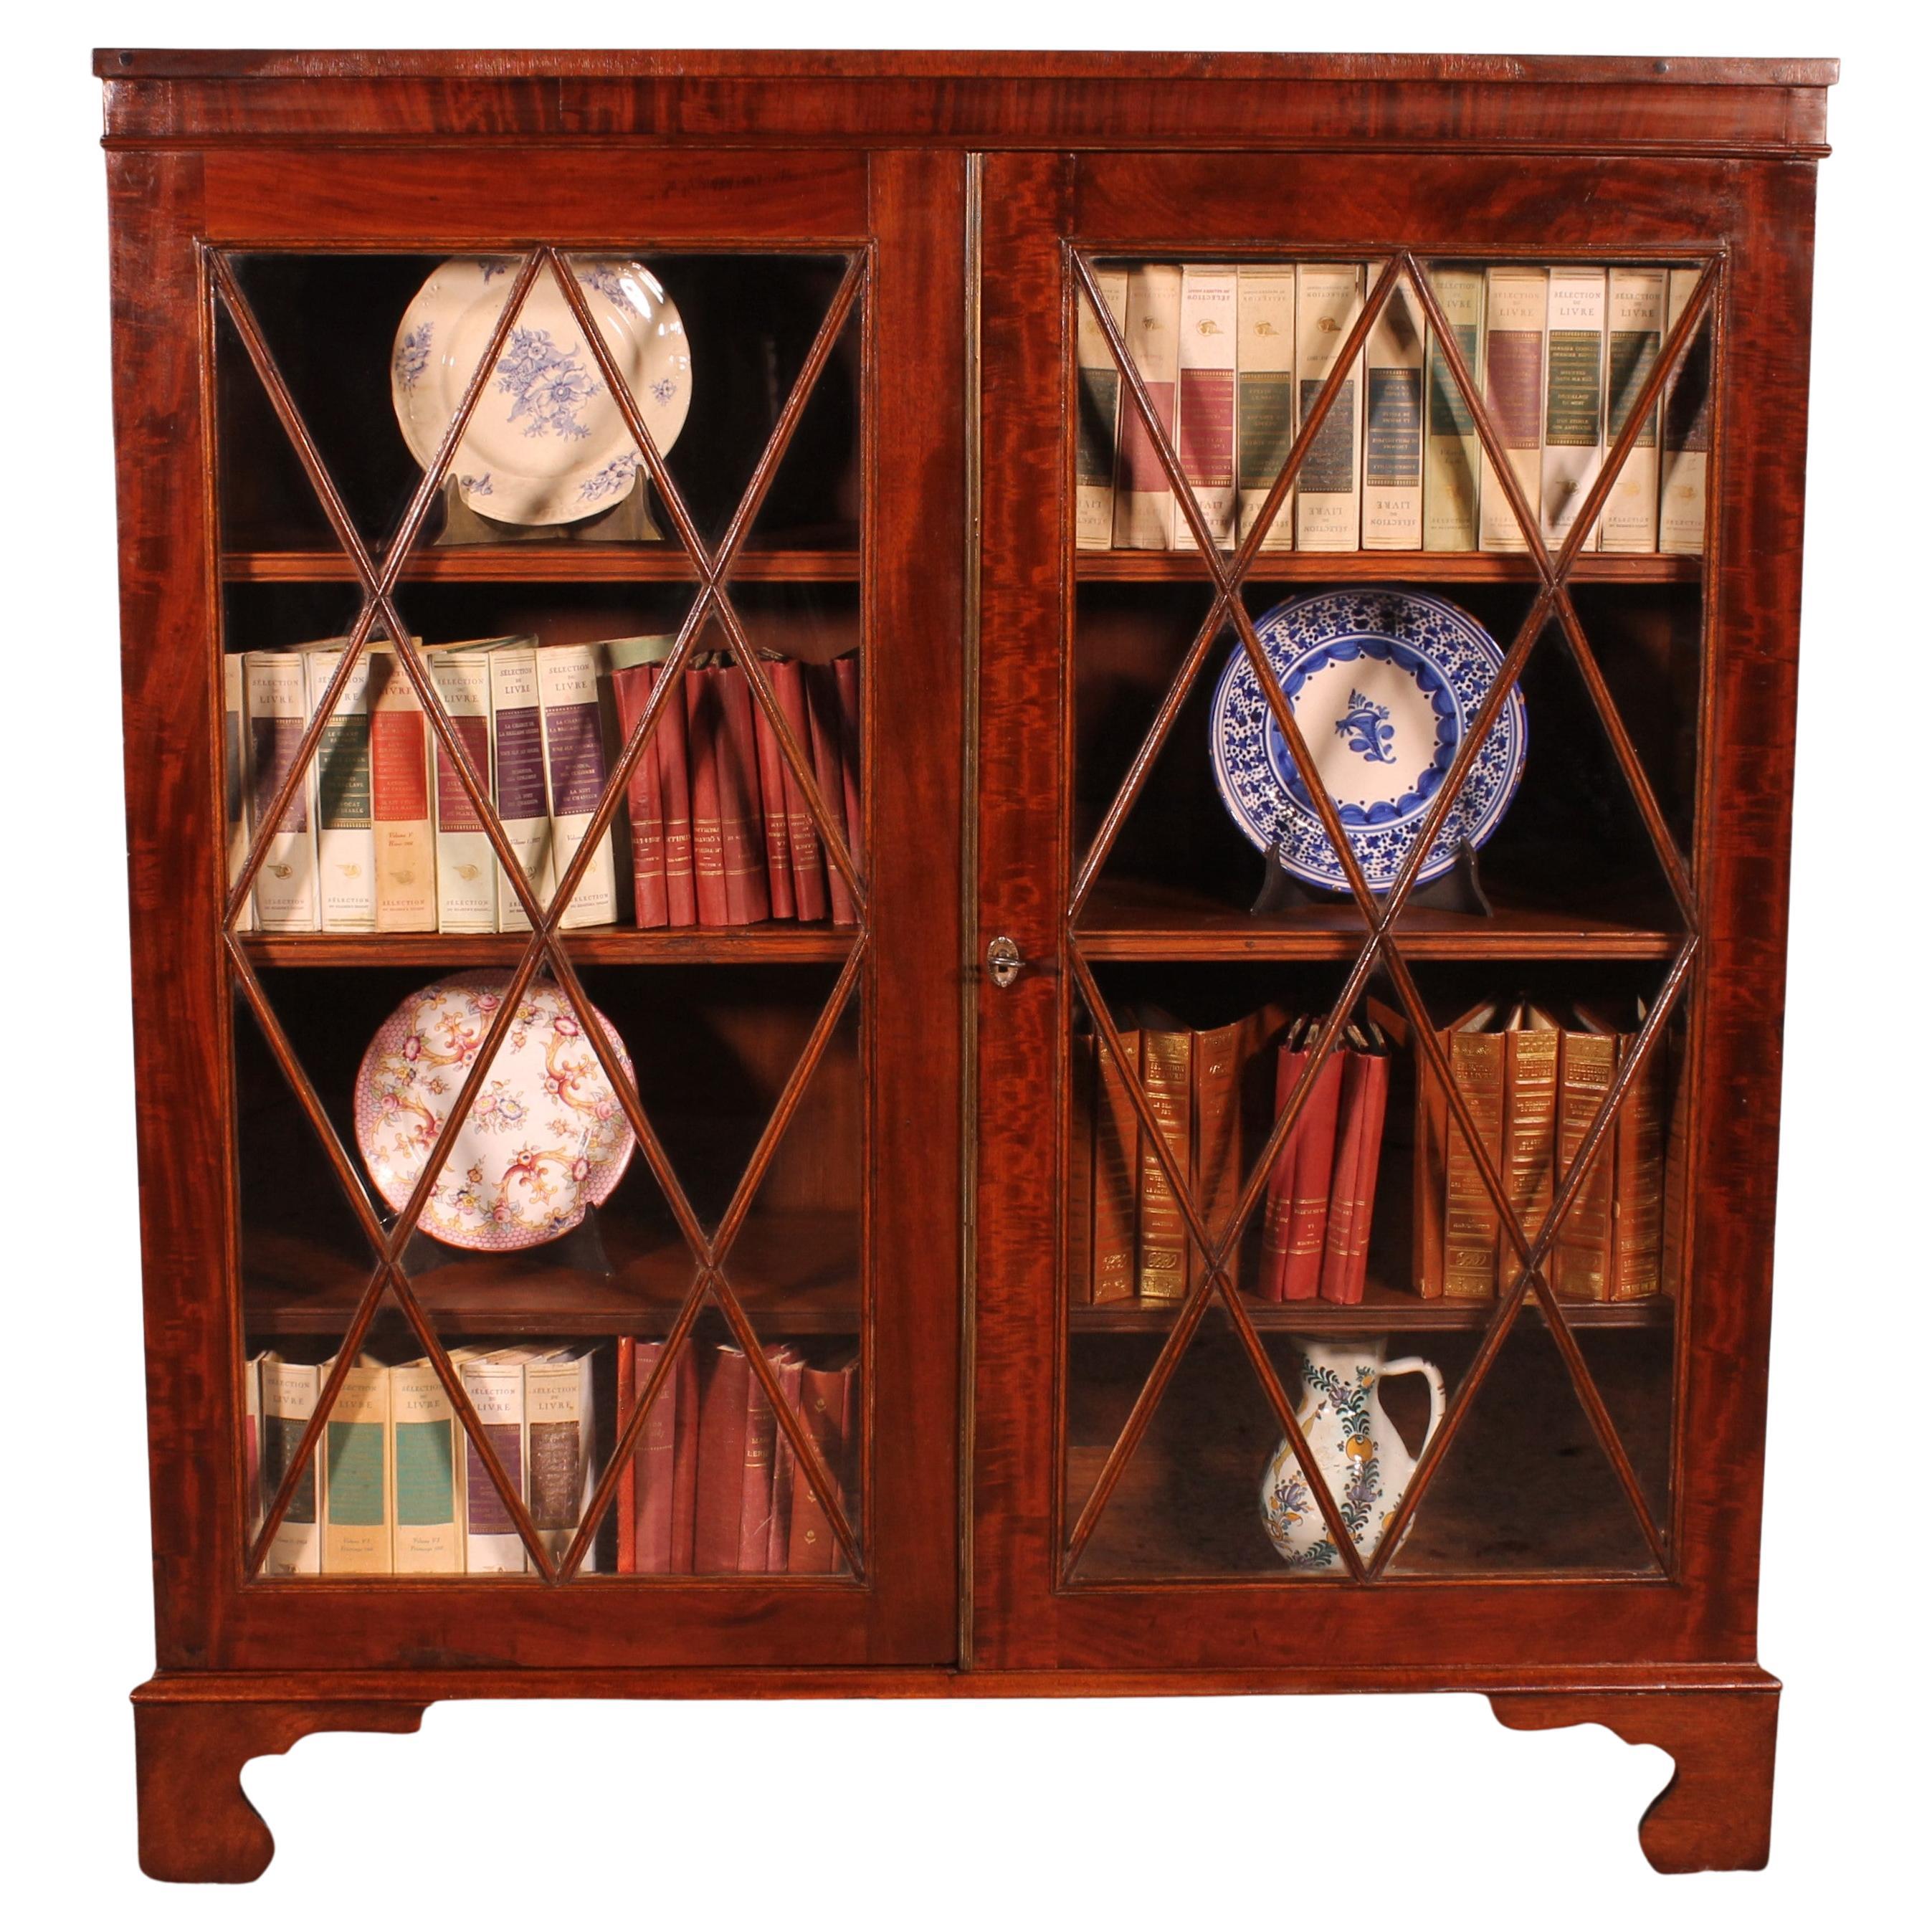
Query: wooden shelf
[
  {"x": 1381, "y": 1309},
  {"x": 667, "y": 563},
  {"x": 545, "y": 563},
  {"x": 796, "y": 1273},
  {"x": 1137, "y": 920},
  {"x": 779, "y": 942},
  {"x": 1403, "y": 566}
]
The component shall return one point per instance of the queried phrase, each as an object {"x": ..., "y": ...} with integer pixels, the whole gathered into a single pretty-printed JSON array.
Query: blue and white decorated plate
[
  {"x": 547, "y": 443},
  {"x": 1383, "y": 684}
]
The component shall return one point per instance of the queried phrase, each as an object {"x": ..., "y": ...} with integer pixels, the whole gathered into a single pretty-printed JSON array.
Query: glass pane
[
  {"x": 547, "y": 595},
  {"x": 1188, "y": 1499},
  {"x": 330, "y": 325},
  {"x": 712, "y": 1485},
  {"x": 751, "y": 321},
  {"x": 1387, "y": 593},
  {"x": 1525, "y": 1485}
]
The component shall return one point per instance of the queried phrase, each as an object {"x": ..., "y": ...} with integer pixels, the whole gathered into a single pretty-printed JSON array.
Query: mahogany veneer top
[
  {"x": 445, "y": 63},
  {"x": 1539, "y": 103}
]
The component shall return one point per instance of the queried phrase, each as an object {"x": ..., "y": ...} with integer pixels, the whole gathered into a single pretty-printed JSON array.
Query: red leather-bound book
[
  {"x": 720, "y": 1464},
  {"x": 656, "y": 1461},
  {"x": 845, "y": 679},
  {"x": 754, "y": 1508},
  {"x": 684, "y": 1465},
  {"x": 1117, "y": 1173},
  {"x": 772, "y": 825},
  {"x": 828, "y": 1396},
  {"x": 705, "y": 738},
  {"x": 671, "y": 742},
  {"x": 631, "y": 689},
  {"x": 1278, "y": 1208},
  {"x": 1364, "y": 1103},
  {"x": 807, "y": 856},
  {"x": 845, "y": 1464},
  {"x": 1333, "y": 1263},
  {"x": 1314, "y": 1157},
  {"x": 627, "y": 1477},
  {"x": 821, "y": 695},
  {"x": 1371, "y": 1168},
  {"x": 785, "y": 1462},
  {"x": 747, "y": 898}
]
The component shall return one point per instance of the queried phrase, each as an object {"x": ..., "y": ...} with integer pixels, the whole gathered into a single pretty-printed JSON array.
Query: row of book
[
  {"x": 1207, "y": 1089},
  {"x": 1128, "y": 1237},
  {"x": 716, "y": 1488},
  {"x": 1234, "y": 357},
  {"x": 1320, "y": 1198},
  {"x": 381, "y": 835},
  {"x": 1533, "y": 1085},
  {"x": 397, "y": 1488}
]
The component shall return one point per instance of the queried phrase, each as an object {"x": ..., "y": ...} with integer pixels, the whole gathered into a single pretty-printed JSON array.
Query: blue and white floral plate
[
  {"x": 1383, "y": 684},
  {"x": 546, "y": 443}
]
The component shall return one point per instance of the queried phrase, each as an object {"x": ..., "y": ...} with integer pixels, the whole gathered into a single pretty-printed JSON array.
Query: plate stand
[
  {"x": 580, "y": 1250},
  {"x": 628, "y": 520},
  {"x": 1459, "y": 890}
]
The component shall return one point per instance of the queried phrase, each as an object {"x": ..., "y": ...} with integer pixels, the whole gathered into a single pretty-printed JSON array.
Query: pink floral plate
[{"x": 545, "y": 1139}]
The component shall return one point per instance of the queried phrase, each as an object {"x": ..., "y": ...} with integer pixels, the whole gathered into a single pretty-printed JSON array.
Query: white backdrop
[{"x": 1157, "y": 1813}]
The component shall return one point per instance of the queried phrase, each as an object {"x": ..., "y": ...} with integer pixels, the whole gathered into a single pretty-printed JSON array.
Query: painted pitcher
[{"x": 1355, "y": 1447}]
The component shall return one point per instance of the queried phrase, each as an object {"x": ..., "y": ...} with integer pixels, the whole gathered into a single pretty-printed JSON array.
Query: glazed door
[
  {"x": 1354, "y": 1249},
  {"x": 545, "y": 995}
]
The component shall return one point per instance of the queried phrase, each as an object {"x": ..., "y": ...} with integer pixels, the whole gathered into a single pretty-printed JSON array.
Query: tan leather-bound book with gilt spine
[
  {"x": 1530, "y": 1053},
  {"x": 1636, "y": 1247},
  {"x": 1471, "y": 1230},
  {"x": 1580, "y": 1264},
  {"x": 1077, "y": 1211},
  {"x": 1636, "y": 1263},
  {"x": 1215, "y": 1129},
  {"x": 1165, "y": 1252}
]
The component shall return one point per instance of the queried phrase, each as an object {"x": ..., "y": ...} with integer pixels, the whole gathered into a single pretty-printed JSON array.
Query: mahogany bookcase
[{"x": 860, "y": 1135}]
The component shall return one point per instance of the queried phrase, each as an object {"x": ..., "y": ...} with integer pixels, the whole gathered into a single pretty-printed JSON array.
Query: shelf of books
[
  {"x": 1388, "y": 608},
  {"x": 545, "y": 744}
]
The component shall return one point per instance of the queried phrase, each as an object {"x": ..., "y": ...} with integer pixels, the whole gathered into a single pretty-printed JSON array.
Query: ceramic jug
[{"x": 1356, "y": 1450}]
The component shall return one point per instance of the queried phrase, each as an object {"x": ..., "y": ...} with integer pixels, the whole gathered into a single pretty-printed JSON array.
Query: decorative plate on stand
[
  {"x": 1383, "y": 685},
  {"x": 545, "y": 1140},
  {"x": 546, "y": 443}
]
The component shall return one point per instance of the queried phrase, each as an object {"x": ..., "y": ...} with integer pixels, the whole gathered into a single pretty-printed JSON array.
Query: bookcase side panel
[
  {"x": 170, "y": 719},
  {"x": 1757, "y": 524}
]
